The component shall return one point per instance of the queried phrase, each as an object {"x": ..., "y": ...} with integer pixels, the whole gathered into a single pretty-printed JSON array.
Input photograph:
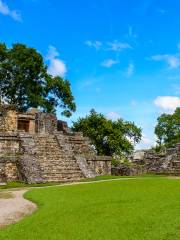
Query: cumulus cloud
[
  {"x": 146, "y": 142},
  {"x": 5, "y": 10},
  {"x": 94, "y": 44},
  {"x": 118, "y": 46},
  {"x": 113, "y": 115},
  {"x": 108, "y": 63},
  {"x": 57, "y": 67},
  {"x": 173, "y": 61},
  {"x": 130, "y": 70},
  {"x": 167, "y": 103}
]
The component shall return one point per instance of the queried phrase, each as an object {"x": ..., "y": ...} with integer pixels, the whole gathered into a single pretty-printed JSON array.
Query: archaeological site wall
[
  {"x": 165, "y": 162},
  {"x": 33, "y": 149}
]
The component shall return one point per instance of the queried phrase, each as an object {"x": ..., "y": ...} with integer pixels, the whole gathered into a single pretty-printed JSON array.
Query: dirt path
[{"x": 14, "y": 208}]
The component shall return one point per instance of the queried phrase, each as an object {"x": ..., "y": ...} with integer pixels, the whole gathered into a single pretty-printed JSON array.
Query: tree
[
  {"x": 167, "y": 129},
  {"x": 25, "y": 82},
  {"x": 109, "y": 137}
]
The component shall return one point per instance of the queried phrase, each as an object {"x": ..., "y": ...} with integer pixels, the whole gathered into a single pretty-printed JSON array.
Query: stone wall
[
  {"x": 100, "y": 164},
  {"x": 8, "y": 170},
  {"x": 9, "y": 144},
  {"x": 166, "y": 161},
  {"x": 45, "y": 123},
  {"x": 9, "y": 152},
  {"x": 8, "y": 119}
]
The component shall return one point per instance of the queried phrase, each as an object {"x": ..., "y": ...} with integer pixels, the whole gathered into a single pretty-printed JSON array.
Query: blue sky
[{"x": 122, "y": 57}]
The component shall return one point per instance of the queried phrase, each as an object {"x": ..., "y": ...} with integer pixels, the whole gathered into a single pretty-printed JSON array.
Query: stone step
[
  {"x": 61, "y": 175},
  {"x": 64, "y": 180}
]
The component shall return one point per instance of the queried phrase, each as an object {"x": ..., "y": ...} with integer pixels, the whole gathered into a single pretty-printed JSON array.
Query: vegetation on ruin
[
  {"x": 109, "y": 137},
  {"x": 167, "y": 129},
  {"x": 135, "y": 209},
  {"x": 25, "y": 82}
]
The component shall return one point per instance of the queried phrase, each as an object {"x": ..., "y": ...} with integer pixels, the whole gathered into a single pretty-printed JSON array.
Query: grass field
[
  {"x": 135, "y": 209},
  {"x": 13, "y": 185}
]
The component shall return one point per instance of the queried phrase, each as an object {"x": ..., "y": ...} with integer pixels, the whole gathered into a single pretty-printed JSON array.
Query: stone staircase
[
  {"x": 80, "y": 144},
  {"x": 78, "y": 148},
  {"x": 56, "y": 159},
  {"x": 173, "y": 157},
  {"x": 175, "y": 167}
]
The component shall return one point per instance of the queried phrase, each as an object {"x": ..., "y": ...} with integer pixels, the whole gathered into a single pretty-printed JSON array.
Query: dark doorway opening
[{"x": 23, "y": 125}]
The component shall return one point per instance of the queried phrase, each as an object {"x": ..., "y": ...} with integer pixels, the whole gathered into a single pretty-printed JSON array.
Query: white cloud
[
  {"x": 130, "y": 70},
  {"x": 5, "y": 10},
  {"x": 108, "y": 63},
  {"x": 118, "y": 46},
  {"x": 52, "y": 53},
  {"x": 173, "y": 61},
  {"x": 167, "y": 103},
  {"x": 56, "y": 66},
  {"x": 113, "y": 115},
  {"x": 146, "y": 142},
  {"x": 96, "y": 44}
]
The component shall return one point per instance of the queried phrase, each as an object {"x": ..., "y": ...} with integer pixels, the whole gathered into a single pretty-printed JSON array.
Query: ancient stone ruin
[
  {"x": 167, "y": 161},
  {"x": 149, "y": 161},
  {"x": 36, "y": 147}
]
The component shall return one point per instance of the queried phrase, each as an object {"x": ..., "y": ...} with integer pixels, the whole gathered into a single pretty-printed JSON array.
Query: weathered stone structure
[
  {"x": 166, "y": 161},
  {"x": 36, "y": 147}
]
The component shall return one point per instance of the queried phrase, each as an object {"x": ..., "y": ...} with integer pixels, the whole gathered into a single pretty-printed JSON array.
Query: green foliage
[
  {"x": 109, "y": 137},
  {"x": 115, "y": 162},
  {"x": 11, "y": 185},
  {"x": 167, "y": 129},
  {"x": 25, "y": 82}
]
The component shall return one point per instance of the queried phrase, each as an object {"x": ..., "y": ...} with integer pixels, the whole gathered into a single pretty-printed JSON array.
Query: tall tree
[
  {"x": 167, "y": 129},
  {"x": 25, "y": 82},
  {"x": 109, "y": 137}
]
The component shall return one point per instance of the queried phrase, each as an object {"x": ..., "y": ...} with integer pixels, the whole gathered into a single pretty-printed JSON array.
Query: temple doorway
[{"x": 23, "y": 125}]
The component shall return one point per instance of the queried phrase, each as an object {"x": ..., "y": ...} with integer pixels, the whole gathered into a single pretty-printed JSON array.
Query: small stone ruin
[
  {"x": 165, "y": 162},
  {"x": 35, "y": 147}
]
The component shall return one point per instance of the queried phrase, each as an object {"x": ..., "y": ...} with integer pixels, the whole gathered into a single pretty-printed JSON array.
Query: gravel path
[{"x": 14, "y": 209}]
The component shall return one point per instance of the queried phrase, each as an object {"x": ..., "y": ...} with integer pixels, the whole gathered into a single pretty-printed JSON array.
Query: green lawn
[
  {"x": 12, "y": 185},
  {"x": 135, "y": 209}
]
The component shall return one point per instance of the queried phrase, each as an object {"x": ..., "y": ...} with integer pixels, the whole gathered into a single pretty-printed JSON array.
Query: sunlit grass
[{"x": 135, "y": 209}]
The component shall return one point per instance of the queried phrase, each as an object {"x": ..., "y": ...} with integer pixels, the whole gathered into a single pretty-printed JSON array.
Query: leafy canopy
[
  {"x": 167, "y": 129},
  {"x": 109, "y": 137},
  {"x": 25, "y": 82}
]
